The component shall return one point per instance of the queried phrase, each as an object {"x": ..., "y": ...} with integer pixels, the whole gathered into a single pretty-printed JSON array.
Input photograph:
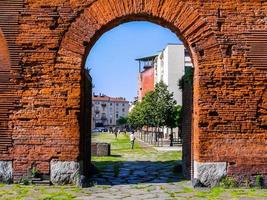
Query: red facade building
[
  {"x": 146, "y": 76},
  {"x": 146, "y": 82}
]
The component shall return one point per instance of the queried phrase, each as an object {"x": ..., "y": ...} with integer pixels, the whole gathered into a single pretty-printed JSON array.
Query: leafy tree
[
  {"x": 174, "y": 118},
  {"x": 148, "y": 109},
  {"x": 135, "y": 117},
  {"x": 164, "y": 104},
  {"x": 157, "y": 109},
  {"x": 122, "y": 121},
  {"x": 187, "y": 78}
]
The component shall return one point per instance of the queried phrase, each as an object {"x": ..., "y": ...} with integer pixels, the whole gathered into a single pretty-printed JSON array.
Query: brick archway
[
  {"x": 49, "y": 45},
  {"x": 182, "y": 19}
]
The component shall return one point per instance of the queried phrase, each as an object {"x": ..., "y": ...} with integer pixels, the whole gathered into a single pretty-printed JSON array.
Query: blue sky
[{"x": 112, "y": 59}]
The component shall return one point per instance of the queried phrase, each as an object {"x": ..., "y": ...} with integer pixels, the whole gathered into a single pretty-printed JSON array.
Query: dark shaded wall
[
  {"x": 187, "y": 122},
  {"x": 86, "y": 109}
]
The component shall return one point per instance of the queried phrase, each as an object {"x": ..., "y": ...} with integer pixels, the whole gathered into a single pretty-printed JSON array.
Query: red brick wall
[
  {"x": 5, "y": 136},
  {"x": 10, "y": 72},
  {"x": 225, "y": 39},
  {"x": 146, "y": 82}
]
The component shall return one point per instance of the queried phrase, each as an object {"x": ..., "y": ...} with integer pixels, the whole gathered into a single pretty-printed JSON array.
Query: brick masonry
[{"x": 227, "y": 42}]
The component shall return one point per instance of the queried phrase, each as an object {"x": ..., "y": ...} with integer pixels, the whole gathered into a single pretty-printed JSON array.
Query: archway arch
[
  {"x": 4, "y": 53},
  {"x": 181, "y": 18},
  {"x": 5, "y": 67}
]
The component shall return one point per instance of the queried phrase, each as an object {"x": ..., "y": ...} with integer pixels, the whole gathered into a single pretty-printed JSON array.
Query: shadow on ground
[{"x": 136, "y": 172}]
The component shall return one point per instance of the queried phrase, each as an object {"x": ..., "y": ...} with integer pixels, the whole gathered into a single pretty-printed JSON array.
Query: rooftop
[
  {"x": 147, "y": 58},
  {"x": 103, "y": 97}
]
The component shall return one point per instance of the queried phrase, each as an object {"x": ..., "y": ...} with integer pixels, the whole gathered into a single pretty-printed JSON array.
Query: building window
[
  {"x": 110, "y": 121},
  {"x": 123, "y": 104},
  {"x": 117, "y": 115},
  {"x": 117, "y": 104},
  {"x": 123, "y": 110},
  {"x": 111, "y": 104}
]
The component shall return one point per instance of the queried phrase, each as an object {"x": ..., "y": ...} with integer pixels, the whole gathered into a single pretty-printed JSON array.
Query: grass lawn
[{"x": 121, "y": 151}]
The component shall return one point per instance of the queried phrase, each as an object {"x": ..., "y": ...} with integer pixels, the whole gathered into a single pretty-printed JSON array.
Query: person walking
[
  {"x": 116, "y": 134},
  {"x": 132, "y": 139}
]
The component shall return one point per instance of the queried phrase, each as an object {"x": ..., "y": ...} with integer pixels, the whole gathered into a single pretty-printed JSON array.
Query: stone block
[
  {"x": 208, "y": 174},
  {"x": 100, "y": 149},
  {"x": 65, "y": 172},
  {"x": 6, "y": 171}
]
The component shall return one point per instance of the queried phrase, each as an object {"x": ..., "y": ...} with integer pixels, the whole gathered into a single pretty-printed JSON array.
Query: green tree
[
  {"x": 164, "y": 104},
  {"x": 122, "y": 121},
  {"x": 148, "y": 109},
  {"x": 135, "y": 117},
  {"x": 157, "y": 109},
  {"x": 174, "y": 118}
]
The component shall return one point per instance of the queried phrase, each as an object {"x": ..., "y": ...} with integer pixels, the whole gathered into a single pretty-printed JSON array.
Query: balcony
[{"x": 104, "y": 119}]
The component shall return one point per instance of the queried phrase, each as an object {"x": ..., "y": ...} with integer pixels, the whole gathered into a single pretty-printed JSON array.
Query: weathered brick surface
[{"x": 227, "y": 42}]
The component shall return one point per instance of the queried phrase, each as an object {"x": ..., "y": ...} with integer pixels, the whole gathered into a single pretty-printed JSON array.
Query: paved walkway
[
  {"x": 137, "y": 171},
  {"x": 143, "y": 173},
  {"x": 139, "y": 178},
  {"x": 161, "y": 148},
  {"x": 177, "y": 148}
]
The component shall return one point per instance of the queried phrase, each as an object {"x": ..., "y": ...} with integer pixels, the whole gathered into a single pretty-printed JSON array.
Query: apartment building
[
  {"x": 146, "y": 75},
  {"x": 107, "y": 110},
  {"x": 168, "y": 66}
]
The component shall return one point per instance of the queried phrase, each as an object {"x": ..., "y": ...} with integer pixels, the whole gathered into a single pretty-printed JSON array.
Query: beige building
[{"x": 107, "y": 110}]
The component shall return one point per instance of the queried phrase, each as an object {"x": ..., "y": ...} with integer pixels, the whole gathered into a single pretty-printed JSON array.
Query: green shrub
[
  {"x": 34, "y": 172},
  {"x": 228, "y": 182},
  {"x": 25, "y": 181},
  {"x": 259, "y": 181}
]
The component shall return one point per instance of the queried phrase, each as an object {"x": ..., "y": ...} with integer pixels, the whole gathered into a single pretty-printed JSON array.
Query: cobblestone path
[{"x": 142, "y": 173}]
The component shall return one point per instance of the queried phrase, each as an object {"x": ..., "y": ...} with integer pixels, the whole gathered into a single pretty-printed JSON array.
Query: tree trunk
[{"x": 171, "y": 137}]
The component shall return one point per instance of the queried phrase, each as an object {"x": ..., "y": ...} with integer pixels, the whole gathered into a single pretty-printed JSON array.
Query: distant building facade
[
  {"x": 146, "y": 76},
  {"x": 107, "y": 110},
  {"x": 167, "y": 66},
  {"x": 170, "y": 67}
]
